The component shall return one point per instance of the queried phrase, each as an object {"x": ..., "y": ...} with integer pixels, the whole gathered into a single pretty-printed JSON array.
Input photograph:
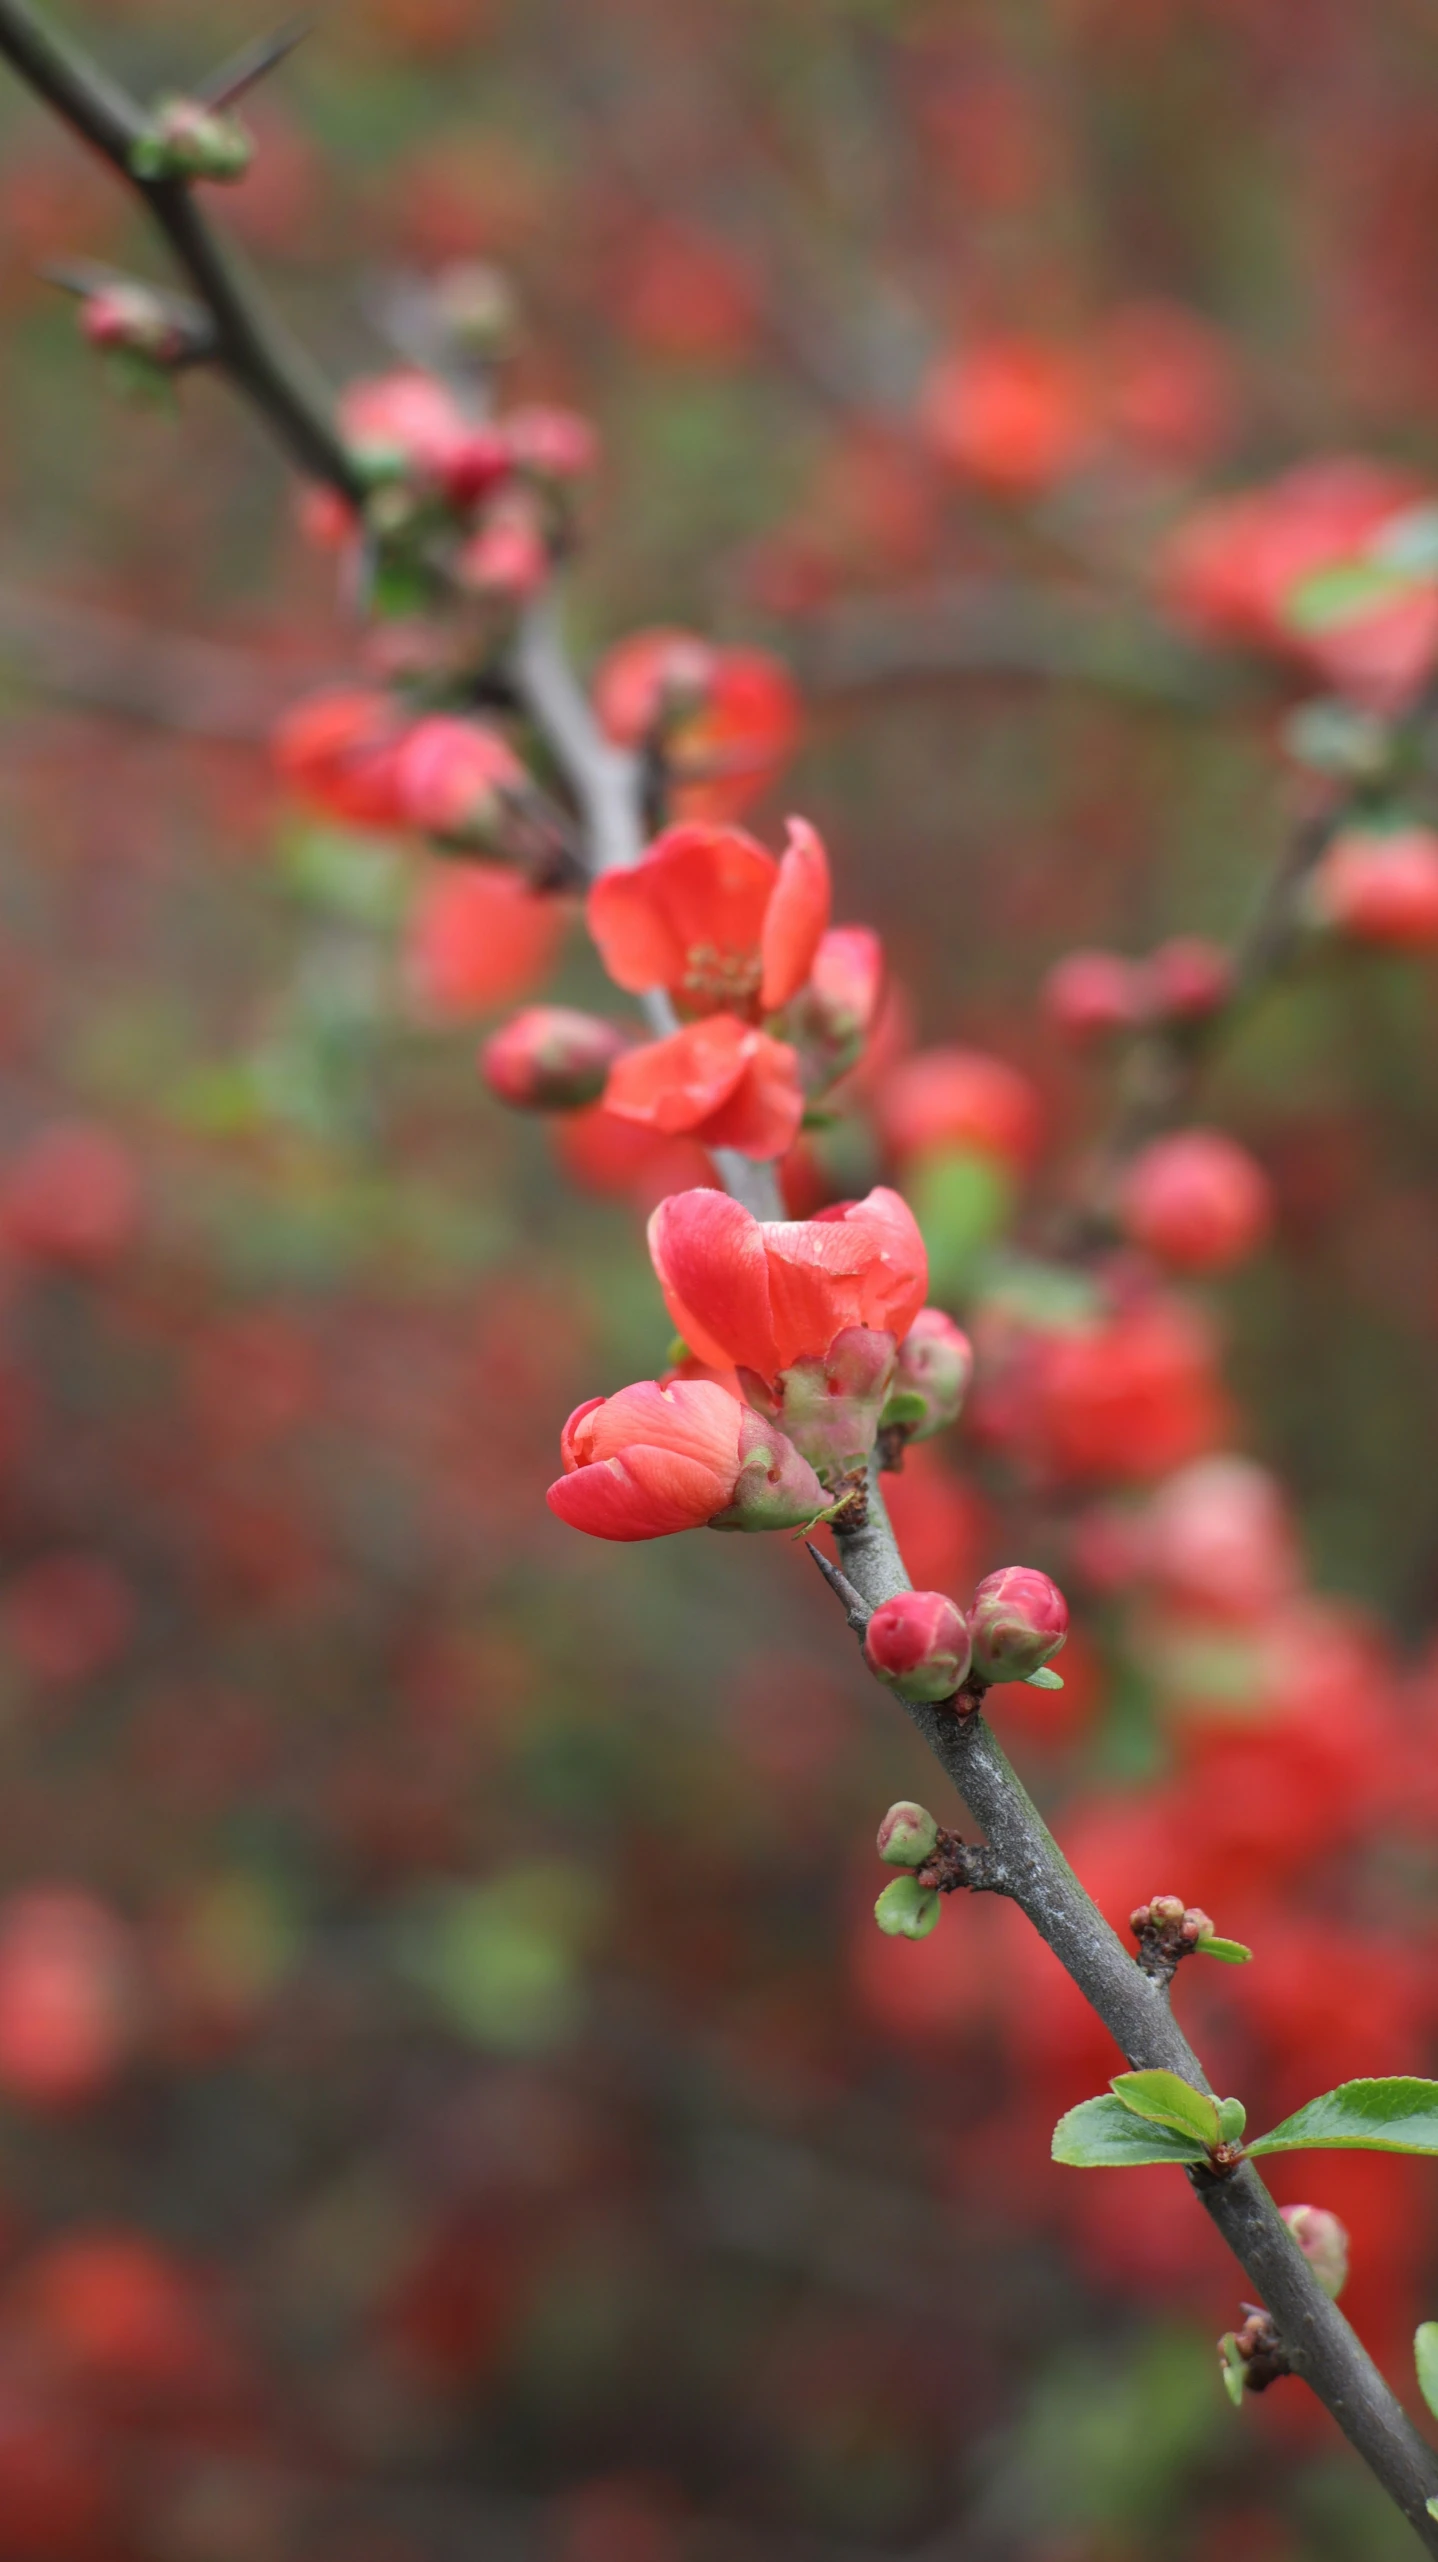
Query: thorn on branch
[
  {"x": 253, "y": 63},
  {"x": 856, "y": 1608}
]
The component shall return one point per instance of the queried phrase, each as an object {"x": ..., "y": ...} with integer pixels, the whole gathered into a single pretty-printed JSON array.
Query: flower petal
[
  {"x": 762, "y": 1117},
  {"x": 648, "y": 1494},
  {"x": 796, "y": 917},
  {"x": 692, "y": 1417},
  {"x": 708, "y": 1253},
  {"x": 677, "y": 1083}
]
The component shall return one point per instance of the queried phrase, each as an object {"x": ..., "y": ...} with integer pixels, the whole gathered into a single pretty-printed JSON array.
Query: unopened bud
[
  {"x": 918, "y": 1644},
  {"x": 908, "y": 1836},
  {"x": 1019, "y": 1618},
  {"x": 830, "y": 1407},
  {"x": 1187, "y": 979},
  {"x": 186, "y": 139},
  {"x": 131, "y": 320},
  {"x": 1089, "y": 997},
  {"x": 508, "y": 559},
  {"x": 776, "y": 1488},
  {"x": 1323, "y": 2242},
  {"x": 931, "y": 1378},
  {"x": 550, "y": 1058},
  {"x": 907, "y": 1910}
]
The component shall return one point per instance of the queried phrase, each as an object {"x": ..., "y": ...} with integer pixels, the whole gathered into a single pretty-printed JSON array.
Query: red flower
[
  {"x": 652, "y": 1460},
  {"x": 730, "y": 717},
  {"x": 953, "y": 1098},
  {"x": 1011, "y": 413},
  {"x": 714, "y": 919},
  {"x": 731, "y": 1086},
  {"x": 762, "y": 1296},
  {"x": 477, "y": 937},
  {"x": 337, "y": 751}
]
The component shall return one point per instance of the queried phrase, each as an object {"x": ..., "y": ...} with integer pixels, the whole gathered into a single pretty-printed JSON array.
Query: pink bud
[
  {"x": 458, "y": 780},
  {"x": 1186, "y": 980},
  {"x": 131, "y": 319},
  {"x": 552, "y": 444},
  {"x": 908, "y": 1835},
  {"x": 550, "y": 1059},
  {"x": 918, "y": 1644},
  {"x": 1380, "y": 889},
  {"x": 1019, "y": 1618},
  {"x": 1196, "y": 1200},
  {"x": 931, "y": 1380},
  {"x": 1323, "y": 2242},
  {"x": 1090, "y": 996},
  {"x": 508, "y": 559}
]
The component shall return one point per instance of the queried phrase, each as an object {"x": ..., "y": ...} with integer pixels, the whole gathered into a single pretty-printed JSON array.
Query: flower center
[{"x": 715, "y": 980}]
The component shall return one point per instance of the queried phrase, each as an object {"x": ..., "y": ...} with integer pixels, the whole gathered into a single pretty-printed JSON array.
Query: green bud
[
  {"x": 907, "y": 1910},
  {"x": 908, "y": 1836},
  {"x": 1232, "y": 2119}
]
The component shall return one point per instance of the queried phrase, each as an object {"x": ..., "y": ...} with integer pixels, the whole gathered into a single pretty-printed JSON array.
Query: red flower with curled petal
[
  {"x": 712, "y": 918},
  {"x": 762, "y": 1295},
  {"x": 654, "y": 1460},
  {"x": 719, "y": 1079}
]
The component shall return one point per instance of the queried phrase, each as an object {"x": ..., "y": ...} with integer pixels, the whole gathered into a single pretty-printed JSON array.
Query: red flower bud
[
  {"x": 1196, "y": 1200},
  {"x": 651, "y": 1461},
  {"x": 963, "y": 1099},
  {"x": 1011, "y": 413},
  {"x": 508, "y": 558},
  {"x": 550, "y": 1059},
  {"x": 132, "y": 320},
  {"x": 1186, "y": 980},
  {"x": 1019, "y": 1618},
  {"x": 830, "y": 1019},
  {"x": 1091, "y": 996},
  {"x": 457, "y": 780},
  {"x": 931, "y": 1378},
  {"x": 1380, "y": 889},
  {"x": 918, "y": 1644},
  {"x": 1323, "y": 2242}
]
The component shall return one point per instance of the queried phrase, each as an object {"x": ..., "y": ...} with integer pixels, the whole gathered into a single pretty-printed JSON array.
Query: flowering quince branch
[{"x": 809, "y": 1355}]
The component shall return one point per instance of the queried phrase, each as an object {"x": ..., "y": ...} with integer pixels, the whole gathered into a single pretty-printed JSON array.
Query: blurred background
[{"x": 453, "y": 2098}]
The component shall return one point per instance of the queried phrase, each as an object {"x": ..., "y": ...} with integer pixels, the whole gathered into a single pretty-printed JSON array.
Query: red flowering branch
[{"x": 821, "y": 1323}]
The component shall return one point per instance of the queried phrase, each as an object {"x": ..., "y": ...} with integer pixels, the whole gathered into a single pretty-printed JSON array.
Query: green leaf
[
  {"x": 1101, "y": 2134},
  {"x": 1232, "y": 1951},
  {"x": 1432, "y": 2508},
  {"x": 1234, "y": 2370},
  {"x": 1044, "y": 1679},
  {"x": 1425, "y": 2357},
  {"x": 1166, "y": 2100},
  {"x": 1232, "y": 2119},
  {"x": 1396, "y": 2115}
]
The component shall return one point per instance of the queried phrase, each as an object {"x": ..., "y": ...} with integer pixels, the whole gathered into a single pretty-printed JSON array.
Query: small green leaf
[
  {"x": 1044, "y": 1679},
  {"x": 1232, "y": 1951},
  {"x": 1394, "y": 2115},
  {"x": 1344, "y": 592},
  {"x": 1425, "y": 2354},
  {"x": 1234, "y": 2371},
  {"x": 907, "y": 1910},
  {"x": 1101, "y": 2134},
  {"x": 1432, "y": 2508},
  {"x": 1232, "y": 2119},
  {"x": 1165, "y": 2100}
]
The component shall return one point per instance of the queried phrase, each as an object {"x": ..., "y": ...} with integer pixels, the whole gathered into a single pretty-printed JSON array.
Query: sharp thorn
[
  {"x": 856, "y": 1608},
  {"x": 253, "y": 63}
]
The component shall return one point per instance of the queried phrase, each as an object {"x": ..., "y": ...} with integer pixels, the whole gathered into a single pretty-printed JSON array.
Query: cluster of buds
[
  {"x": 937, "y": 1863},
  {"x": 186, "y": 138},
  {"x": 1094, "y": 997},
  {"x": 1168, "y": 1930},
  {"x": 923, "y": 1646}
]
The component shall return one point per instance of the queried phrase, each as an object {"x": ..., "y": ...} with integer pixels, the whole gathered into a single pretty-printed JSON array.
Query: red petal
[
  {"x": 678, "y": 1083},
  {"x": 762, "y": 1116},
  {"x": 692, "y": 1418},
  {"x": 797, "y": 915},
  {"x": 709, "y": 1255},
  {"x": 648, "y": 1494}
]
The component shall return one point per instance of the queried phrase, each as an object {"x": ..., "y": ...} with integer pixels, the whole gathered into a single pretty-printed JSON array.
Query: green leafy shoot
[
  {"x": 1102, "y": 2134},
  {"x": 1045, "y": 1678},
  {"x": 1165, "y": 2100},
  {"x": 1234, "y": 2370},
  {"x": 1231, "y": 1951}
]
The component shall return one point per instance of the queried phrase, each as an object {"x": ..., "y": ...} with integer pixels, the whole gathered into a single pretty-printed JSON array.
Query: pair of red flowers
[
  {"x": 739, "y": 943},
  {"x": 811, "y": 1333}
]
